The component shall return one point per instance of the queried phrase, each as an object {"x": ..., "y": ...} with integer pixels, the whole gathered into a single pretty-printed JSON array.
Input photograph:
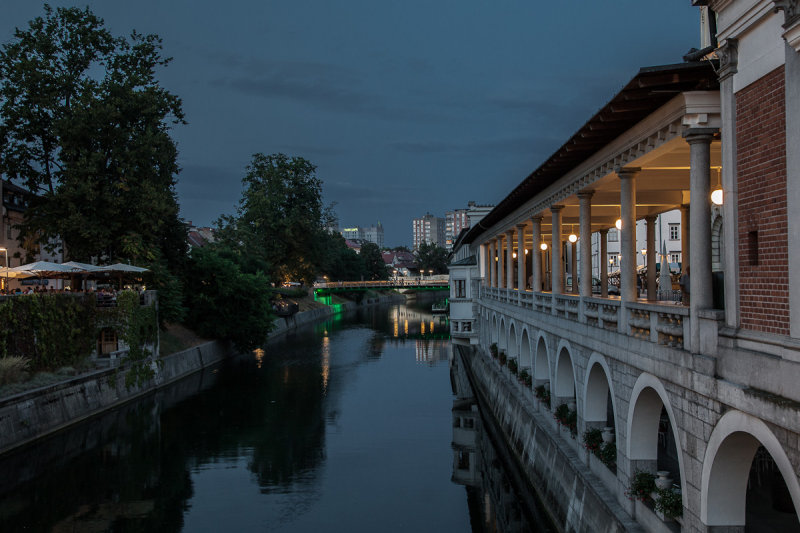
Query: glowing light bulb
[
  {"x": 543, "y": 246},
  {"x": 716, "y": 197},
  {"x": 618, "y": 223},
  {"x": 572, "y": 238}
]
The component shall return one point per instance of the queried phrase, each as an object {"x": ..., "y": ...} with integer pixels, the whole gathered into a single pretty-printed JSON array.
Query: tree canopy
[
  {"x": 432, "y": 257},
  {"x": 85, "y": 127},
  {"x": 281, "y": 219}
]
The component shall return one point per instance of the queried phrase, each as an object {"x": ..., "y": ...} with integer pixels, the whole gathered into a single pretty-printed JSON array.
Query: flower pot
[
  {"x": 663, "y": 481},
  {"x": 608, "y": 435}
]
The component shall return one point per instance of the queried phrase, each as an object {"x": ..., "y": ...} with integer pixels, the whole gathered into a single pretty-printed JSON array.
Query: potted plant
[
  {"x": 493, "y": 350},
  {"x": 502, "y": 358}
]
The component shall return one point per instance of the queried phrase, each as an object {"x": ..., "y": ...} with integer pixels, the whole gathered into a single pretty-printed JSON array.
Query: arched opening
[
  {"x": 525, "y": 358},
  {"x": 541, "y": 369},
  {"x": 652, "y": 439},
  {"x": 717, "y": 245},
  {"x": 512, "y": 342},
  {"x": 749, "y": 483},
  {"x": 494, "y": 330},
  {"x": 502, "y": 339},
  {"x": 599, "y": 414},
  {"x": 598, "y": 406},
  {"x": 564, "y": 390}
]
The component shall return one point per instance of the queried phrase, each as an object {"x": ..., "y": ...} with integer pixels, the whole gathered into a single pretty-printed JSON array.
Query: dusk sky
[{"x": 405, "y": 107}]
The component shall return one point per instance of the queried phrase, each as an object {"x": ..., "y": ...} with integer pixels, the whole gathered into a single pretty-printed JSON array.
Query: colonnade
[{"x": 696, "y": 246}]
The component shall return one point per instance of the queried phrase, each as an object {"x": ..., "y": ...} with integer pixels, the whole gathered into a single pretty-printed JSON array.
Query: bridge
[{"x": 331, "y": 287}]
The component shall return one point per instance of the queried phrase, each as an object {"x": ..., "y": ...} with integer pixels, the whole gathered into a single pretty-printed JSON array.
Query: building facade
[
  {"x": 428, "y": 228},
  {"x": 703, "y": 392},
  {"x": 373, "y": 234}
]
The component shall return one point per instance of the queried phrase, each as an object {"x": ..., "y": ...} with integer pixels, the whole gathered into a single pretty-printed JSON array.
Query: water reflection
[
  {"x": 495, "y": 498},
  {"x": 319, "y": 430}
]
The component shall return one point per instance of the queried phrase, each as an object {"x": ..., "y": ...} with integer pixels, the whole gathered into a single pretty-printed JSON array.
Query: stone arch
[
  {"x": 502, "y": 339},
  {"x": 512, "y": 345},
  {"x": 564, "y": 385},
  {"x": 525, "y": 357},
  {"x": 644, "y": 411},
  {"x": 717, "y": 245},
  {"x": 596, "y": 389},
  {"x": 726, "y": 468},
  {"x": 541, "y": 368}
]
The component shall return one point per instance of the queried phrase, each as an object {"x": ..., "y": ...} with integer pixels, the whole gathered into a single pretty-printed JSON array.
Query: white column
[
  {"x": 573, "y": 266},
  {"x": 557, "y": 266},
  {"x": 792, "y": 103},
  {"x": 651, "y": 256},
  {"x": 521, "y": 281},
  {"x": 510, "y": 259},
  {"x": 701, "y": 295},
  {"x": 536, "y": 254},
  {"x": 501, "y": 261},
  {"x": 604, "y": 262},
  {"x": 585, "y": 240},
  {"x": 492, "y": 266},
  {"x": 728, "y": 55},
  {"x": 627, "y": 281}
]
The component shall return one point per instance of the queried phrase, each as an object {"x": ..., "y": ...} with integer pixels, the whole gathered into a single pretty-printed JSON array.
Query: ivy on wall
[{"x": 56, "y": 330}]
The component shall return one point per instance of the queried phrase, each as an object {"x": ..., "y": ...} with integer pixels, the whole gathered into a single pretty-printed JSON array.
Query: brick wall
[{"x": 761, "y": 164}]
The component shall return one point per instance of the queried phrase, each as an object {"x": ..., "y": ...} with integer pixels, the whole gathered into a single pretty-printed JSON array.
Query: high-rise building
[
  {"x": 428, "y": 228},
  {"x": 459, "y": 219}
]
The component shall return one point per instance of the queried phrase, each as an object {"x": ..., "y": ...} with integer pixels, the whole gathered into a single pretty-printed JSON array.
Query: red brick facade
[{"x": 761, "y": 167}]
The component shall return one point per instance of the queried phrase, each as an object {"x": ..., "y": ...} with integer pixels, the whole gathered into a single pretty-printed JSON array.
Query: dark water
[{"x": 345, "y": 426}]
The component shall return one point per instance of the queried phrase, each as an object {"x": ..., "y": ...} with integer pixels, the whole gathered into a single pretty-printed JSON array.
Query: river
[{"x": 347, "y": 425}]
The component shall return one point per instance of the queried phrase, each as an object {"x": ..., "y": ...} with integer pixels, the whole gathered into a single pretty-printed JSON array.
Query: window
[
  {"x": 674, "y": 232},
  {"x": 466, "y": 326},
  {"x": 674, "y": 257},
  {"x": 613, "y": 236},
  {"x": 461, "y": 288}
]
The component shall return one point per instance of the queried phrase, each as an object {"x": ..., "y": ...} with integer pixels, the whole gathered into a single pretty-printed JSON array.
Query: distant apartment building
[
  {"x": 460, "y": 219},
  {"x": 428, "y": 228},
  {"x": 373, "y": 234}
]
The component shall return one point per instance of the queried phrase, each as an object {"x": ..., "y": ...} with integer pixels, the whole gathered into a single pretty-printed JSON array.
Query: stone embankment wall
[
  {"x": 576, "y": 499},
  {"x": 33, "y": 414}
]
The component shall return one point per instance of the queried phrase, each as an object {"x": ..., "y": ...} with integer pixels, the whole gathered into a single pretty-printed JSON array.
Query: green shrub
[
  {"x": 669, "y": 502},
  {"x": 567, "y": 418},
  {"x": 502, "y": 357},
  {"x": 512, "y": 366},
  {"x": 642, "y": 485},
  {"x": 493, "y": 349},
  {"x": 593, "y": 440},
  {"x": 13, "y": 369},
  {"x": 543, "y": 394},
  {"x": 525, "y": 378},
  {"x": 608, "y": 454}
]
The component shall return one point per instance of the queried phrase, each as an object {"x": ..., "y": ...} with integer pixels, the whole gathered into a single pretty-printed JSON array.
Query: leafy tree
[
  {"x": 85, "y": 126},
  {"x": 432, "y": 257},
  {"x": 374, "y": 267},
  {"x": 225, "y": 303},
  {"x": 280, "y": 219},
  {"x": 338, "y": 262}
]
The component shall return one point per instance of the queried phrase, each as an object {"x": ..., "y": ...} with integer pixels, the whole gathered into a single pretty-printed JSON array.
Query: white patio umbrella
[
  {"x": 664, "y": 281},
  {"x": 43, "y": 269},
  {"x": 120, "y": 269}
]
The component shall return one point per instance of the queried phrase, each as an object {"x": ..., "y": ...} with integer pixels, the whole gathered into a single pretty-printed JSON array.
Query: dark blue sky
[{"x": 405, "y": 107}]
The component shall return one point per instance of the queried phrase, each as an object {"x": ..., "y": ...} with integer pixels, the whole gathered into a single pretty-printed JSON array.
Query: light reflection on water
[{"x": 344, "y": 426}]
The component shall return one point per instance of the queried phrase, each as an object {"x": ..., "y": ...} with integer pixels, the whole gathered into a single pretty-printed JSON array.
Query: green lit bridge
[{"x": 332, "y": 287}]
